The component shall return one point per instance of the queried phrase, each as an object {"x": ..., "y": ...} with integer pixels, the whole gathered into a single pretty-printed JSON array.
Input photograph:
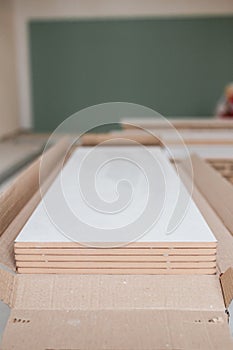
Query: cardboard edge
[
  {"x": 226, "y": 280},
  {"x": 226, "y": 277},
  {"x": 7, "y": 282}
]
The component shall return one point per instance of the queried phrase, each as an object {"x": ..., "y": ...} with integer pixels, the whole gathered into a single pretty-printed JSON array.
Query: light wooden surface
[
  {"x": 182, "y": 123},
  {"x": 119, "y": 139}
]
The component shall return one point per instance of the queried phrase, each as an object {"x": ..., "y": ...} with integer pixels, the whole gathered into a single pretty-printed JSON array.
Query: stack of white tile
[{"x": 116, "y": 211}]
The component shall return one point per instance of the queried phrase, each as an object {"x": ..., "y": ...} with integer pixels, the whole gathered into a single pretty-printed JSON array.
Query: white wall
[
  {"x": 9, "y": 121},
  {"x": 29, "y": 9}
]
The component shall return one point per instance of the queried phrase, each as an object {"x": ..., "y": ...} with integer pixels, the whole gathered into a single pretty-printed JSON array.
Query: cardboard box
[{"x": 109, "y": 312}]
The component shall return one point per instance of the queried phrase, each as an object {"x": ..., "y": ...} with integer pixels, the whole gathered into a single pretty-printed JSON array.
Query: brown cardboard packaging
[{"x": 109, "y": 312}]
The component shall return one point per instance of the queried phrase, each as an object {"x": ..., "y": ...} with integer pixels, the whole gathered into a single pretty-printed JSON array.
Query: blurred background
[{"x": 57, "y": 57}]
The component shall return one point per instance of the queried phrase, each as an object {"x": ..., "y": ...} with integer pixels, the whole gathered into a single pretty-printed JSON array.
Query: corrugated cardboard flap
[
  {"x": 68, "y": 292},
  {"x": 7, "y": 281},
  {"x": 227, "y": 285},
  {"x": 117, "y": 312},
  {"x": 116, "y": 330}
]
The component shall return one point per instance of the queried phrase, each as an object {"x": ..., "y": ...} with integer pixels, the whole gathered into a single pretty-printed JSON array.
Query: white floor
[{"x": 4, "y": 314}]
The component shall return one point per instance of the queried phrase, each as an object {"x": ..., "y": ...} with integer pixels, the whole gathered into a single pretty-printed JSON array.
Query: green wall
[{"x": 178, "y": 66}]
